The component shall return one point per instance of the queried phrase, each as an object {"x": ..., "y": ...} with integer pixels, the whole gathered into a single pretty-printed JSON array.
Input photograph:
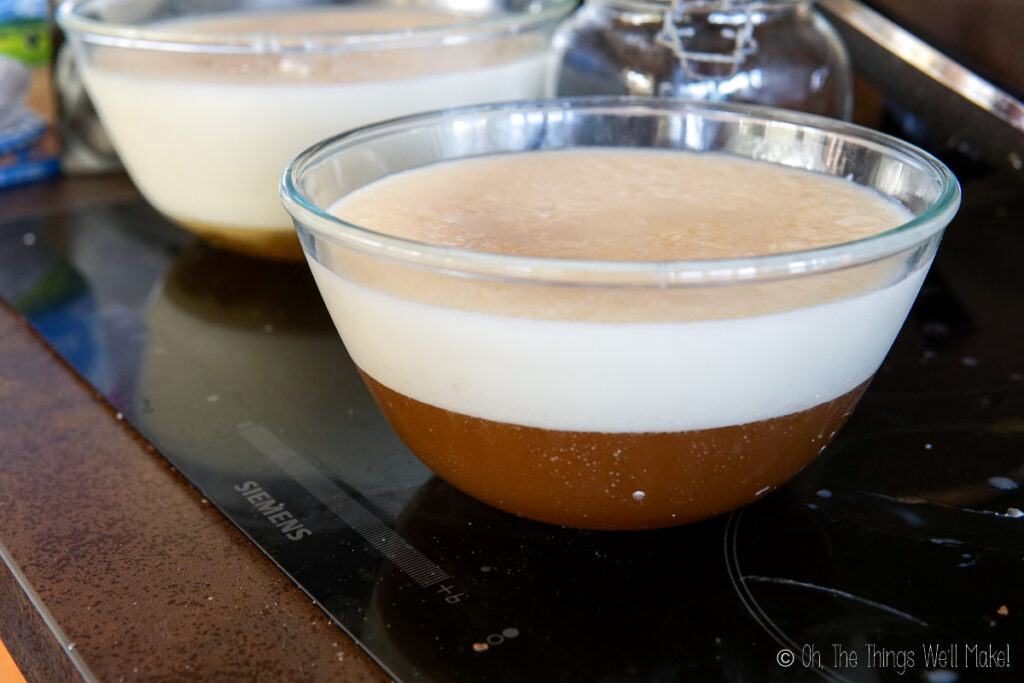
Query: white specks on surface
[
  {"x": 212, "y": 398},
  {"x": 762, "y": 491},
  {"x": 1003, "y": 483},
  {"x": 294, "y": 67},
  {"x": 945, "y": 541},
  {"x": 824, "y": 493},
  {"x": 28, "y": 239},
  {"x": 119, "y": 416},
  {"x": 818, "y": 78},
  {"x": 486, "y": 568},
  {"x": 935, "y": 329},
  {"x": 969, "y": 361},
  {"x": 639, "y": 495}
]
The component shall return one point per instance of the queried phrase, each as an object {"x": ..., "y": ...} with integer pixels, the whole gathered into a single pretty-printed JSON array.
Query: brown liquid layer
[
  {"x": 592, "y": 479},
  {"x": 270, "y": 243}
]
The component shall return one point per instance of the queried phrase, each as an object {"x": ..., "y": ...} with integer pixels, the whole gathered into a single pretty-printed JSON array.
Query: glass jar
[{"x": 775, "y": 52}]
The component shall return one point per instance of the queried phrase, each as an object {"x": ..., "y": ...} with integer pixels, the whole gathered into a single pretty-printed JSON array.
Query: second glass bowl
[{"x": 206, "y": 102}]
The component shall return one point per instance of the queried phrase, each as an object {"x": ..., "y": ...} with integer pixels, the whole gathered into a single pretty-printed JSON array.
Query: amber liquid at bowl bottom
[
  {"x": 602, "y": 480},
  {"x": 279, "y": 244}
]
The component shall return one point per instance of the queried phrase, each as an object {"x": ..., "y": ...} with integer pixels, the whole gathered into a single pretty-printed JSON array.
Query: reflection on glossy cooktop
[{"x": 896, "y": 556}]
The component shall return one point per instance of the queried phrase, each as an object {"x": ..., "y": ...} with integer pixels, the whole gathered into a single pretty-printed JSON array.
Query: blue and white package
[{"x": 29, "y": 148}]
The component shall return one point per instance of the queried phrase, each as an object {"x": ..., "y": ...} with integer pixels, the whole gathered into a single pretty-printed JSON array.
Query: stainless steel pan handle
[{"x": 953, "y": 99}]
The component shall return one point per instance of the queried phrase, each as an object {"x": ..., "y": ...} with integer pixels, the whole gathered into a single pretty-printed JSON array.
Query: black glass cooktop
[{"x": 898, "y": 555}]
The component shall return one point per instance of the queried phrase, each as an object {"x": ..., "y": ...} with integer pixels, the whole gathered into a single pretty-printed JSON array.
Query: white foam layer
[
  {"x": 617, "y": 377},
  {"x": 213, "y": 152}
]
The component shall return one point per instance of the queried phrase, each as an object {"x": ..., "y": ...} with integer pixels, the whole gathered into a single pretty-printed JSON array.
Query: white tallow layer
[
  {"x": 617, "y": 377},
  {"x": 212, "y": 153}
]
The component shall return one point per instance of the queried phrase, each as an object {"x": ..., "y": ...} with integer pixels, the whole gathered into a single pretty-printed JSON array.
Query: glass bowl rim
[
  {"x": 750, "y": 7},
  {"x": 307, "y": 215},
  {"x": 70, "y": 17}
]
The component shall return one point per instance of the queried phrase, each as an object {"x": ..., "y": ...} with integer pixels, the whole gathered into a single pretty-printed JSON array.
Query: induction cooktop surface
[{"x": 897, "y": 555}]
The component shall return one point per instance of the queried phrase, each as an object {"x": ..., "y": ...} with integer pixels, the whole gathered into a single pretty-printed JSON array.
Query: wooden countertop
[{"x": 115, "y": 568}]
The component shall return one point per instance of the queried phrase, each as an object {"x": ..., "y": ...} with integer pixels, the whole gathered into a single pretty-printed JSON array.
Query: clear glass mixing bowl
[
  {"x": 605, "y": 394},
  {"x": 206, "y": 101}
]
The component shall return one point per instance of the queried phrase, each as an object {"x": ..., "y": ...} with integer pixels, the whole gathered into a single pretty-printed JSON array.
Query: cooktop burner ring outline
[{"x": 750, "y": 603}]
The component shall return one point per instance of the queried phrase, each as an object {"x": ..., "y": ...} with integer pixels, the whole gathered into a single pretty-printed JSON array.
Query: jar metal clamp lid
[{"x": 711, "y": 38}]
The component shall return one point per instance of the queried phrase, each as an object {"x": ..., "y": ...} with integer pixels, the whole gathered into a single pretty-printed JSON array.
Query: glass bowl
[
  {"x": 206, "y": 102},
  {"x": 608, "y": 394}
]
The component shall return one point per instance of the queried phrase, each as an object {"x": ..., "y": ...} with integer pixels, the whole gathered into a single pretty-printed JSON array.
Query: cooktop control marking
[{"x": 378, "y": 534}]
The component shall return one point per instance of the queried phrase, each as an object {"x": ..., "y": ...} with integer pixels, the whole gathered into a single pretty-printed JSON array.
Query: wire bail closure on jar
[{"x": 707, "y": 54}]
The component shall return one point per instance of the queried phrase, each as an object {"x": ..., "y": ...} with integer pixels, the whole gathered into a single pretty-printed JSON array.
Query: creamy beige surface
[
  {"x": 620, "y": 205},
  {"x": 206, "y": 135},
  {"x": 328, "y": 45},
  {"x": 626, "y": 359},
  {"x": 314, "y": 20}
]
